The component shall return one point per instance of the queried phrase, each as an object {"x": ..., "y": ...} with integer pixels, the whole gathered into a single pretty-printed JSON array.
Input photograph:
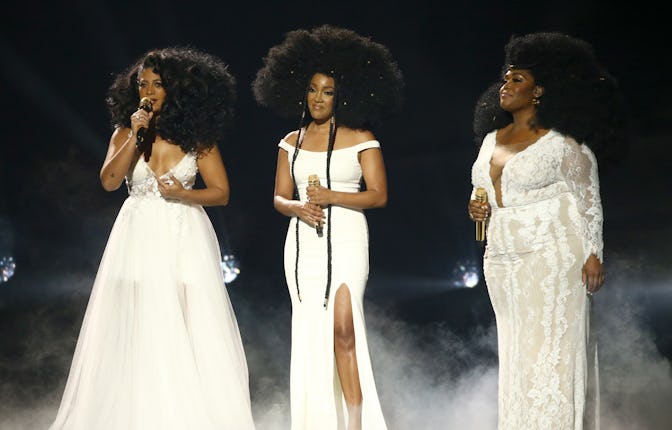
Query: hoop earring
[{"x": 535, "y": 101}]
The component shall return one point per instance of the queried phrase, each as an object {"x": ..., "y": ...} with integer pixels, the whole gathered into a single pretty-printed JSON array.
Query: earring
[{"x": 535, "y": 96}]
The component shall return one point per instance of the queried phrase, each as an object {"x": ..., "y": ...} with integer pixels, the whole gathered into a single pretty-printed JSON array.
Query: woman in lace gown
[
  {"x": 319, "y": 74},
  {"x": 543, "y": 259},
  {"x": 159, "y": 346}
]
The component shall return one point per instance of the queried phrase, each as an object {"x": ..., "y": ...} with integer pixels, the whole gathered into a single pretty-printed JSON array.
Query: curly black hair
[
  {"x": 200, "y": 96},
  {"x": 369, "y": 84},
  {"x": 581, "y": 99}
]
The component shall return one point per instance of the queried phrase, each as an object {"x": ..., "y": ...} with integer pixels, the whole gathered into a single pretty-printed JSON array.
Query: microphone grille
[
  {"x": 313, "y": 180},
  {"x": 481, "y": 195},
  {"x": 146, "y": 104}
]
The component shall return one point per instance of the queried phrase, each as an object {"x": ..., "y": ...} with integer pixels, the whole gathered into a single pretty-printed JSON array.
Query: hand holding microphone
[
  {"x": 146, "y": 105},
  {"x": 481, "y": 196},
  {"x": 314, "y": 181}
]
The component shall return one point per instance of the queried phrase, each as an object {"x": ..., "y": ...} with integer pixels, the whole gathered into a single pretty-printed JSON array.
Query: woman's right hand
[
  {"x": 140, "y": 119},
  {"x": 309, "y": 213},
  {"x": 478, "y": 211}
]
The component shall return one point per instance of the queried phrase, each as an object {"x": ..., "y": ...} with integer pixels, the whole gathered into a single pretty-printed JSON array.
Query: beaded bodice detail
[{"x": 141, "y": 180}]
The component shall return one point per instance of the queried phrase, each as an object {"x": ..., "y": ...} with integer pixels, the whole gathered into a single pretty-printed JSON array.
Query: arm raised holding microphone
[{"x": 125, "y": 144}]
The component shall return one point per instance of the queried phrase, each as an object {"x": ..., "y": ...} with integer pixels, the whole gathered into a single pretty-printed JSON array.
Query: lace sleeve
[{"x": 579, "y": 168}]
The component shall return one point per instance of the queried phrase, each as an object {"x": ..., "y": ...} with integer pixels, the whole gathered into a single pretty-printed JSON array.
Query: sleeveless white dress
[
  {"x": 159, "y": 346},
  {"x": 317, "y": 400},
  {"x": 536, "y": 246}
]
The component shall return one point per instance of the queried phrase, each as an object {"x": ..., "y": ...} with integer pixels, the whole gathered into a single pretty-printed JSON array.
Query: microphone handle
[
  {"x": 146, "y": 105},
  {"x": 140, "y": 139},
  {"x": 314, "y": 180},
  {"x": 481, "y": 196}
]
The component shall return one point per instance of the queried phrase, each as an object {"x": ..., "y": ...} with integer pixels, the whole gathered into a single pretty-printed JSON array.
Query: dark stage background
[{"x": 433, "y": 342}]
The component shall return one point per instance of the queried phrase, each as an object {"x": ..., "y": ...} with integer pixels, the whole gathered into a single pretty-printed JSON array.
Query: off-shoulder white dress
[{"x": 317, "y": 400}]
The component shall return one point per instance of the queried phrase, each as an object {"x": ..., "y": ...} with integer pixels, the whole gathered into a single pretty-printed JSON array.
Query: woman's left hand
[
  {"x": 170, "y": 187},
  {"x": 319, "y": 195},
  {"x": 592, "y": 274}
]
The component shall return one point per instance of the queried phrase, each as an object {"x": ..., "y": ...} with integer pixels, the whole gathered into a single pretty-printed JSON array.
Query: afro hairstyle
[
  {"x": 369, "y": 84},
  {"x": 200, "y": 96},
  {"x": 581, "y": 99}
]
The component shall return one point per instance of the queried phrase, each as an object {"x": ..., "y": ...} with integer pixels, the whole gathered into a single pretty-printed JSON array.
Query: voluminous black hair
[
  {"x": 581, "y": 99},
  {"x": 369, "y": 84},
  {"x": 200, "y": 96}
]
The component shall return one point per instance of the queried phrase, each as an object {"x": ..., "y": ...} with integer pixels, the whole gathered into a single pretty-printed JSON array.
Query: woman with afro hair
[
  {"x": 159, "y": 346},
  {"x": 329, "y": 171},
  {"x": 542, "y": 128}
]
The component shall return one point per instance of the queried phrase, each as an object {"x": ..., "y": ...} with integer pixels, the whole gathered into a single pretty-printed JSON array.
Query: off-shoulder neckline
[{"x": 335, "y": 150}]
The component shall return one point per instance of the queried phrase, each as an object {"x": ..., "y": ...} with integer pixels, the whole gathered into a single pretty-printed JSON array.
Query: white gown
[
  {"x": 536, "y": 246},
  {"x": 317, "y": 400},
  {"x": 159, "y": 346}
]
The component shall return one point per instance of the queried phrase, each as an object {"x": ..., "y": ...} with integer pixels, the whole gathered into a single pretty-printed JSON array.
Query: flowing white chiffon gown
[
  {"x": 159, "y": 347},
  {"x": 317, "y": 401}
]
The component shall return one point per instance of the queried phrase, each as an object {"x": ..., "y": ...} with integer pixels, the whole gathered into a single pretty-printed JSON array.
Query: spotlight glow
[
  {"x": 7, "y": 268},
  {"x": 230, "y": 268},
  {"x": 465, "y": 274}
]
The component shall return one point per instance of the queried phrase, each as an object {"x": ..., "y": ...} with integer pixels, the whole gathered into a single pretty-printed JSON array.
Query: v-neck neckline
[
  {"x": 172, "y": 169},
  {"x": 501, "y": 176}
]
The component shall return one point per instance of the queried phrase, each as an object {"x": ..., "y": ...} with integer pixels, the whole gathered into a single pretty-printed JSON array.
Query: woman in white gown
[
  {"x": 543, "y": 259},
  {"x": 320, "y": 74},
  {"x": 159, "y": 346}
]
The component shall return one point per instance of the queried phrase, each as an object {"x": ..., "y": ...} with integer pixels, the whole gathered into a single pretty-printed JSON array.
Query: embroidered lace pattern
[
  {"x": 141, "y": 181},
  {"x": 536, "y": 246}
]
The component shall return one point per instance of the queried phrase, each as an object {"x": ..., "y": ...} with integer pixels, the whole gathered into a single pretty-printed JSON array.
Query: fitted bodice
[
  {"x": 344, "y": 169},
  {"x": 141, "y": 180},
  {"x": 553, "y": 166}
]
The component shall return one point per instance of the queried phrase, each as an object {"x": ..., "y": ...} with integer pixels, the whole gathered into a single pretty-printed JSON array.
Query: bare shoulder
[
  {"x": 291, "y": 137},
  {"x": 120, "y": 135},
  {"x": 347, "y": 137},
  {"x": 209, "y": 153}
]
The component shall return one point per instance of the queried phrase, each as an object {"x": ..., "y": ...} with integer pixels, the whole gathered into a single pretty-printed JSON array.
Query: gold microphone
[
  {"x": 480, "y": 196},
  {"x": 314, "y": 181},
  {"x": 146, "y": 105}
]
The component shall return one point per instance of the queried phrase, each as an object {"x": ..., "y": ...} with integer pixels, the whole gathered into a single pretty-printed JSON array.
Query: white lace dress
[
  {"x": 536, "y": 246},
  {"x": 159, "y": 346},
  {"x": 317, "y": 401}
]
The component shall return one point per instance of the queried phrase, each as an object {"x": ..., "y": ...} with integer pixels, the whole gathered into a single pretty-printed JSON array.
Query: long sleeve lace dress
[{"x": 537, "y": 244}]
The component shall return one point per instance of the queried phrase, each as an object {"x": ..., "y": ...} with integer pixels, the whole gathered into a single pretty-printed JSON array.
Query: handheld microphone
[
  {"x": 314, "y": 181},
  {"x": 480, "y": 196},
  {"x": 146, "y": 105}
]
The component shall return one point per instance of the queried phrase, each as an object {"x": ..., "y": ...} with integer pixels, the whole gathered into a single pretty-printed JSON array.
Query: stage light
[
  {"x": 230, "y": 268},
  {"x": 7, "y": 268},
  {"x": 7, "y": 263},
  {"x": 465, "y": 274}
]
